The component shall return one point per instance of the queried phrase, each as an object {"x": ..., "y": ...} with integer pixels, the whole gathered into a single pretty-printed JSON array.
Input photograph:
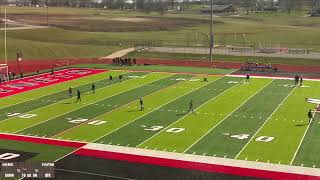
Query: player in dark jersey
[
  {"x": 191, "y": 107},
  {"x": 205, "y": 79},
  {"x": 110, "y": 78},
  {"x": 141, "y": 104},
  {"x": 70, "y": 92},
  {"x": 247, "y": 78},
  {"x": 52, "y": 72},
  {"x": 310, "y": 116},
  {"x": 120, "y": 77},
  {"x": 78, "y": 95},
  {"x": 93, "y": 88},
  {"x": 301, "y": 81},
  {"x": 296, "y": 80}
]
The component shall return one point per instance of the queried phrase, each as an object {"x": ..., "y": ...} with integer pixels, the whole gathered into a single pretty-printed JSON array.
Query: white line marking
[
  {"x": 226, "y": 117},
  {"x": 265, "y": 123},
  {"x": 305, "y": 133},
  {"x": 120, "y": 92},
  {"x": 158, "y": 108},
  {"x": 186, "y": 115},
  {"x": 94, "y": 174}
]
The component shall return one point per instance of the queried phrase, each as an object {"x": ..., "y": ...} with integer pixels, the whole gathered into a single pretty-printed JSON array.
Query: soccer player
[
  {"x": 120, "y": 78},
  {"x": 70, "y": 92},
  {"x": 110, "y": 78},
  {"x": 78, "y": 95},
  {"x": 93, "y": 88},
  {"x": 247, "y": 78},
  {"x": 296, "y": 80},
  {"x": 191, "y": 107},
  {"x": 301, "y": 81},
  {"x": 205, "y": 79},
  {"x": 52, "y": 72},
  {"x": 141, "y": 104},
  {"x": 310, "y": 116}
]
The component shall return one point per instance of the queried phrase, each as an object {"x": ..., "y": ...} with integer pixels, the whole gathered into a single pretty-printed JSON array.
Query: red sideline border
[
  {"x": 39, "y": 140},
  {"x": 238, "y": 171}
]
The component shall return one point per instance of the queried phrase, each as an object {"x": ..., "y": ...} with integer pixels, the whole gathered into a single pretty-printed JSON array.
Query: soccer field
[{"x": 264, "y": 120}]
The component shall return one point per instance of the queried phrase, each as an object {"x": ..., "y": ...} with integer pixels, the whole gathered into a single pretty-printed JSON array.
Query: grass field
[
  {"x": 81, "y": 32},
  {"x": 264, "y": 120}
]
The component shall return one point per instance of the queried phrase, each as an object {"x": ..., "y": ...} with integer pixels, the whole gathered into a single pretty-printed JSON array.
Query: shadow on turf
[{"x": 299, "y": 125}]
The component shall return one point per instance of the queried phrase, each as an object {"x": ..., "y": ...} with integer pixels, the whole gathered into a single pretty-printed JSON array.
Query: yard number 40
[{"x": 259, "y": 139}]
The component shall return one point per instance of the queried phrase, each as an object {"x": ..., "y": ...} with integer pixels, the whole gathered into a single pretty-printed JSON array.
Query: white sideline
[
  {"x": 269, "y": 77},
  {"x": 205, "y": 159}
]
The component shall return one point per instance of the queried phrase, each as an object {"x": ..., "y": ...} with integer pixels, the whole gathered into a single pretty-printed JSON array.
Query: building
[{"x": 217, "y": 9}]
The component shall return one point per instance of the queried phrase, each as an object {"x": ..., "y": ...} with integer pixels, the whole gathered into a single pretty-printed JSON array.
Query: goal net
[{"x": 4, "y": 72}]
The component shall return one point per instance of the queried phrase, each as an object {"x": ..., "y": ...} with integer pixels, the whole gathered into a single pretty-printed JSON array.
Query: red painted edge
[
  {"x": 42, "y": 140},
  {"x": 192, "y": 165}
]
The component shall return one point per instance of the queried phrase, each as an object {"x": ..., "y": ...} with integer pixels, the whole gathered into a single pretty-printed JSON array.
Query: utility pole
[
  {"x": 47, "y": 8},
  {"x": 211, "y": 29}
]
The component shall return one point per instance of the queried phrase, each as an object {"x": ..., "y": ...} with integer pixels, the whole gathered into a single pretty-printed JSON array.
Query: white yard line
[
  {"x": 187, "y": 115},
  {"x": 305, "y": 133},
  {"x": 227, "y": 116},
  {"x": 253, "y": 136},
  {"x": 272, "y": 77},
  {"x": 81, "y": 106},
  {"x": 151, "y": 111},
  {"x": 94, "y": 174},
  {"x": 120, "y": 107}
]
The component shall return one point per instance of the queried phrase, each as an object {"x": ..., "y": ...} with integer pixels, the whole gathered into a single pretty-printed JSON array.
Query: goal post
[{"x": 4, "y": 72}]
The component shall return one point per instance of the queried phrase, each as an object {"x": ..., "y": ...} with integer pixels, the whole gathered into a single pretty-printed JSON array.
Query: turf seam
[
  {"x": 155, "y": 109},
  {"x": 227, "y": 116},
  {"x": 95, "y": 118},
  {"x": 253, "y": 136},
  {"x": 302, "y": 139},
  {"x": 84, "y": 106},
  {"x": 185, "y": 115}
]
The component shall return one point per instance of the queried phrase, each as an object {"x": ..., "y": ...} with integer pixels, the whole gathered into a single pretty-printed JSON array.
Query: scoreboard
[{"x": 27, "y": 170}]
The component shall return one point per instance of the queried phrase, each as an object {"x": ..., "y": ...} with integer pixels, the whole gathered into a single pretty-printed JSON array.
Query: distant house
[{"x": 217, "y": 9}]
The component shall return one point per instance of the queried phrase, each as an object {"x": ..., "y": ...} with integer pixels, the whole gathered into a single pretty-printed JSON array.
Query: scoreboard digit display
[{"x": 27, "y": 170}]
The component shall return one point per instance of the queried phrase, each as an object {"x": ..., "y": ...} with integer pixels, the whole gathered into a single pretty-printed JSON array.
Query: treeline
[{"x": 163, "y": 5}]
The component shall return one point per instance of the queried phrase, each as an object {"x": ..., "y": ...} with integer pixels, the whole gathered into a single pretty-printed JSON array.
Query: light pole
[{"x": 211, "y": 29}]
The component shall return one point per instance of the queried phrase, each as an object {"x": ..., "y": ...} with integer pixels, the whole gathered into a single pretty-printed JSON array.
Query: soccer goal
[{"x": 4, "y": 72}]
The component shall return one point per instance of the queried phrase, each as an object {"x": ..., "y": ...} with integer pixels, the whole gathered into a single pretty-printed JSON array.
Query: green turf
[
  {"x": 56, "y": 97},
  {"x": 208, "y": 116},
  {"x": 130, "y": 112},
  {"x": 50, "y": 128},
  {"x": 37, "y": 93},
  {"x": 136, "y": 133},
  {"x": 245, "y": 120},
  {"x": 287, "y": 125},
  {"x": 177, "y": 69},
  {"x": 308, "y": 154},
  {"x": 57, "y": 109}
]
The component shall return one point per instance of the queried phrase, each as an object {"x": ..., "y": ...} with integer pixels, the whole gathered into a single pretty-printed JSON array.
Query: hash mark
[
  {"x": 225, "y": 156},
  {"x": 194, "y": 152},
  {"x": 128, "y": 145},
  {"x": 164, "y": 149},
  {"x": 101, "y": 142},
  {"x": 203, "y": 154}
]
